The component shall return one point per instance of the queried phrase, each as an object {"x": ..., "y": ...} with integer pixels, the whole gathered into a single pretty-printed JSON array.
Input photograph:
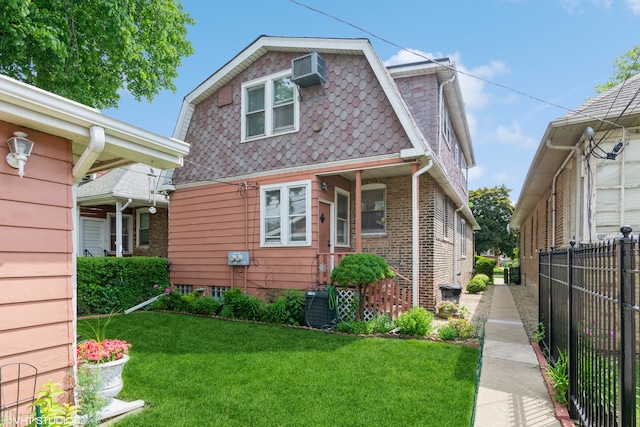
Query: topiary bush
[
  {"x": 361, "y": 270},
  {"x": 485, "y": 265},
  {"x": 415, "y": 322},
  {"x": 476, "y": 285}
]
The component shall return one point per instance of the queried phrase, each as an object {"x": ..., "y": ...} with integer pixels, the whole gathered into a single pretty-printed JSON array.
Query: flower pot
[
  {"x": 445, "y": 313},
  {"x": 110, "y": 376}
]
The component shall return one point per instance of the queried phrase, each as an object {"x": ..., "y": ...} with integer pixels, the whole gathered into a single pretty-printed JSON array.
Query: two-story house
[{"x": 306, "y": 149}]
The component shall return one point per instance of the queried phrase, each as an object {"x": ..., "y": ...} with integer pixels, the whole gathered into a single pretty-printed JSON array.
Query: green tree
[
  {"x": 361, "y": 270},
  {"x": 90, "y": 50},
  {"x": 626, "y": 65},
  {"x": 492, "y": 208}
]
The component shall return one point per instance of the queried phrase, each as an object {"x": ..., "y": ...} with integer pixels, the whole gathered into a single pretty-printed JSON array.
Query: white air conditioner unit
[{"x": 307, "y": 70}]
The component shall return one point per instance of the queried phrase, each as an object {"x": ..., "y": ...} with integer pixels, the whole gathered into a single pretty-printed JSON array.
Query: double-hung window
[
  {"x": 142, "y": 225},
  {"x": 269, "y": 106},
  {"x": 126, "y": 233},
  {"x": 285, "y": 214},
  {"x": 342, "y": 218},
  {"x": 373, "y": 209}
]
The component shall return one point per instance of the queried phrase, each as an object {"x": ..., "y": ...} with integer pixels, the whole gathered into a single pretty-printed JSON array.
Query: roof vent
[{"x": 307, "y": 70}]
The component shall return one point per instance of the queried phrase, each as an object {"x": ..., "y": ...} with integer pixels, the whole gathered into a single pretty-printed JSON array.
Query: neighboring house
[
  {"x": 39, "y": 220},
  {"x": 291, "y": 169},
  {"x": 584, "y": 182},
  {"x": 138, "y": 193}
]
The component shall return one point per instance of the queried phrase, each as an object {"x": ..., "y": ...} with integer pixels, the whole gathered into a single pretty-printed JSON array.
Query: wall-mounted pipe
[
  {"x": 97, "y": 141},
  {"x": 415, "y": 225},
  {"x": 119, "y": 209},
  {"x": 454, "y": 279},
  {"x": 578, "y": 210}
]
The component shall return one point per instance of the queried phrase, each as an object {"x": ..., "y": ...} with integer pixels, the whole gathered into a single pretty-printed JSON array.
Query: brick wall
[
  {"x": 158, "y": 235},
  {"x": 436, "y": 237}
]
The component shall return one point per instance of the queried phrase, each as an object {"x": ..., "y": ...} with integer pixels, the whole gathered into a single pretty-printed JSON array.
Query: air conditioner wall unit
[{"x": 308, "y": 70}]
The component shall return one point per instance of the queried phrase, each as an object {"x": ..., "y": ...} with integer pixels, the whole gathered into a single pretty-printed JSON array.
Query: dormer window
[{"x": 269, "y": 106}]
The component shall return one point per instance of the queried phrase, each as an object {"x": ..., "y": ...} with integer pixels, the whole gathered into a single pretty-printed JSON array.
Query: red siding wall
[{"x": 36, "y": 311}]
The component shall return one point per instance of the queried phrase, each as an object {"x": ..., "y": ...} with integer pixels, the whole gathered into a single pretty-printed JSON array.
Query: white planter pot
[{"x": 110, "y": 376}]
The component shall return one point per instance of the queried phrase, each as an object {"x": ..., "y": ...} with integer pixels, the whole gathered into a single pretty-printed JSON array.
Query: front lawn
[{"x": 197, "y": 371}]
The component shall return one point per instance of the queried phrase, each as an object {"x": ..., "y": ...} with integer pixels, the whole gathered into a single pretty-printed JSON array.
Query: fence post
[
  {"x": 572, "y": 345},
  {"x": 627, "y": 372}
]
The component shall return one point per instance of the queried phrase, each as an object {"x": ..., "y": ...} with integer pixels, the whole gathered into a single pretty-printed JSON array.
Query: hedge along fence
[
  {"x": 112, "y": 284},
  {"x": 485, "y": 265}
]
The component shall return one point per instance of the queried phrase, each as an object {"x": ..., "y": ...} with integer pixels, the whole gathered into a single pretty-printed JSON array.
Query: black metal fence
[{"x": 590, "y": 309}]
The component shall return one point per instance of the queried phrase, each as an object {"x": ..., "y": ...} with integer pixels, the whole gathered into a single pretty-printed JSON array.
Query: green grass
[{"x": 196, "y": 371}]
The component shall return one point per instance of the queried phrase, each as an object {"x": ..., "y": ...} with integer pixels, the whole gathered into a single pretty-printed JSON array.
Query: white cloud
[
  {"x": 473, "y": 83},
  {"x": 471, "y": 80},
  {"x": 634, "y": 5},
  {"x": 513, "y": 135},
  {"x": 477, "y": 173},
  {"x": 407, "y": 56}
]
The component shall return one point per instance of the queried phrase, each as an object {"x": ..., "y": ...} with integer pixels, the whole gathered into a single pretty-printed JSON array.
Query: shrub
[
  {"x": 463, "y": 327},
  {"x": 171, "y": 301},
  {"x": 415, "y": 322},
  {"x": 112, "y": 284},
  {"x": 240, "y": 306},
  {"x": 486, "y": 279},
  {"x": 206, "y": 305},
  {"x": 447, "y": 333},
  {"x": 358, "y": 327},
  {"x": 485, "y": 265},
  {"x": 476, "y": 285},
  {"x": 287, "y": 308},
  {"x": 361, "y": 270},
  {"x": 381, "y": 323}
]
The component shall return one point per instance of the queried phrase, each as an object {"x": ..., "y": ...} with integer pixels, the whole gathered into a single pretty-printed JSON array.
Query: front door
[{"x": 325, "y": 243}]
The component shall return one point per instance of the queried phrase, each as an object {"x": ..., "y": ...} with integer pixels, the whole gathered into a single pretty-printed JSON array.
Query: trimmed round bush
[
  {"x": 476, "y": 285},
  {"x": 415, "y": 322}
]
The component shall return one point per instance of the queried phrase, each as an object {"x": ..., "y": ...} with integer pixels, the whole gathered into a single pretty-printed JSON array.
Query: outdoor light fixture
[
  {"x": 20, "y": 149},
  {"x": 324, "y": 186},
  {"x": 589, "y": 132}
]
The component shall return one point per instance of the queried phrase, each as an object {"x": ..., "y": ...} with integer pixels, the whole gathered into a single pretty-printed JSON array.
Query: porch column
[
  {"x": 118, "y": 228},
  {"x": 358, "y": 211}
]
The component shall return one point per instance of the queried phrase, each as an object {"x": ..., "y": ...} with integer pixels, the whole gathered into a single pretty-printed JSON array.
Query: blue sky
[{"x": 532, "y": 56}]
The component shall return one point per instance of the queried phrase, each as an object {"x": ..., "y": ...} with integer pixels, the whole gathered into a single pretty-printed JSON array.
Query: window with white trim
[
  {"x": 374, "y": 209},
  {"x": 142, "y": 227},
  {"x": 269, "y": 106},
  {"x": 342, "y": 218},
  {"x": 463, "y": 237},
  {"x": 127, "y": 230},
  {"x": 446, "y": 127},
  {"x": 285, "y": 214}
]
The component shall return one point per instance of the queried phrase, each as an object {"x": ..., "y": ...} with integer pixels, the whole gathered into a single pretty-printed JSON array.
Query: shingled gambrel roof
[
  {"x": 618, "y": 107},
  {"x": 418, "y": 149}
]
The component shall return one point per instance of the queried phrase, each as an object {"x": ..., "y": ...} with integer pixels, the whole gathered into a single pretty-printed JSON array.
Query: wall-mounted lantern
[{"x": 20, "y": 149}]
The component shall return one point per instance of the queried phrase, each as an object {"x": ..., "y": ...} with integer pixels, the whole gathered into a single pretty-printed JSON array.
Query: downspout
[
  {"x": 415, "y": 227},
  {"x": 578, "y": 209},
  {"x": 119, "y": 210},
  {"x": 441, "y": 109},
  {"x": 90, "y": 154},
  {"x": 454, "y": 279},
  {"x": 553, "y": 199}
]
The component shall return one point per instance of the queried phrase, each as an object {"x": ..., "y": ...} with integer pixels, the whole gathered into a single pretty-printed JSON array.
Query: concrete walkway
[{"x": 512, "y": 391}]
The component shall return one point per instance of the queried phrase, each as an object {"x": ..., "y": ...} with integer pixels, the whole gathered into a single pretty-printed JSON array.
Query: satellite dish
[{"x": 152, "y": 209}]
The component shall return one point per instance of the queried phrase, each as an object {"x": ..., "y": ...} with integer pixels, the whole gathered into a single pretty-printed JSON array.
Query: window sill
[{"x": 265, "y": 136}]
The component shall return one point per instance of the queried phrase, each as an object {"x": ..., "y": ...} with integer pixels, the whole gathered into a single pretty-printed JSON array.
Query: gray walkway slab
[{"x": 512, "y": 391}]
